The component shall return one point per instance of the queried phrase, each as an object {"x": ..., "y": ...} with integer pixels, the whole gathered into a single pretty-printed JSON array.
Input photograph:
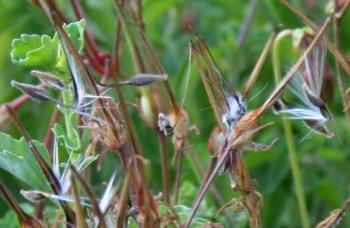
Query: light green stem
[
  {"x": 68, "y": 118},
  {"x": 292, "y": 152}
]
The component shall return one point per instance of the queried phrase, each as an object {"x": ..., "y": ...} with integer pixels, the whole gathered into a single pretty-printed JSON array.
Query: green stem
[
  {"x": 68, "y": 118},
  {"x": 292, "y": 152}
]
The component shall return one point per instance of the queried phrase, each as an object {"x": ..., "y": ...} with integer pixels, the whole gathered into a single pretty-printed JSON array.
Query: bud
[
  {"x": 144, "y": 79},
  {"x": 48, "y": 79},
  {"x": 215, "y": 140},
  {"x": 146, "y": 111},
  {"x": 32, "y": 196},
  {"x": 34, "y": 92}
]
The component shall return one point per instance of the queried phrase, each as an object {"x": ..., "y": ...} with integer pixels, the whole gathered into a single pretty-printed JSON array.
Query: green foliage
[
  {"x": 71, "y": 143},
  {"x": 43, "y": 51},
  {"x": 35, "y": 51},
  {"x": 17, "y": 159}
]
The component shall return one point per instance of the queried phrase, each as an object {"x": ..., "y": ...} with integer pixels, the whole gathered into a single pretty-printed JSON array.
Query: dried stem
[
  {"x": 179, "y": 163},
  {"x": 208, "y": 180},
  {"x": 275, "y": 95},
  {"x": 339, "y": 76},
  {"x": 199, "y": 170},
  {"x": 137, "y": 149},
  {"x": 92, "y": 197},
  {"x": 255, "y": 73},
  {"x": 123, "y": 201},
  {"x": 25, "y": 219},
  {"x": 207, "y": 86},
  {"x": 80, "y": 218},
  {"x": 247, "y": 22},
  {"x": 244, "y": 126},
  {"x": 50, "y": 176},
  {"x": 89, "y": 37},
  {"x": 155, "y": 60},
  {"x": 165, "y": 167},
  {"x": 331, "y": 47},
  {"x": 49, "y": 134}
]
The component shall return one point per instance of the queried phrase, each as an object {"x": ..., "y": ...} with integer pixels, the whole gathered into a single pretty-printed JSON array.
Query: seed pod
[
  {"x": 278, "y": 106},
  {"x": 215, "y": 140},
  {"x": 144, "y": 79},
  {"x": 319, "y": 127},
  {"x": 48, "y": 79},
  {"x": 33, "y": 196},
  {"x": 34, "y": 92}
]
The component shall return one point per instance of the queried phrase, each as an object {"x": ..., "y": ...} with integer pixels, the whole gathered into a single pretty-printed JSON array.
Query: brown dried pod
[
  {"x": 112, "y": 135},
  {"x": 181, "y": 124}
]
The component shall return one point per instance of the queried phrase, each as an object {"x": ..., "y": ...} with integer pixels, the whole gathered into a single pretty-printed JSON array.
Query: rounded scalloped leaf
[
  {"x": 35, "y": 51},
  {"x": 75, "y": 33}
]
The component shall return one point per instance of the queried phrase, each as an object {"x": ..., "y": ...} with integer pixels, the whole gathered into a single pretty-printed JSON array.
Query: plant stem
[
  {"x": 247, "y": 22},
  {"x": 340, "y": 80},
  {"x": 292, "y": 152},
  {"x": 68, "y": 115},
  {"x": 199, "y": 172},
  {"x": 165, "y": 167}
]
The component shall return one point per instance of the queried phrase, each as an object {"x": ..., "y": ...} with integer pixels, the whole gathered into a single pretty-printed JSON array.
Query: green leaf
[
  {"x": 9, "y": 220},
  {"x": 70, "y": 143},
  {"x": 43, "y": 51},
  {"x": 87, "y": 161},
  {"x": 75, "y": 33},
  {"x": 298, "y": 35},
  {"x": 35, "y": 51},
  {"x": 17, "y": 159}
]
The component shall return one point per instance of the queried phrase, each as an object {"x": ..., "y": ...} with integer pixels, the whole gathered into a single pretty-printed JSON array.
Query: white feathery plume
[{"x": 307, "y": 87}]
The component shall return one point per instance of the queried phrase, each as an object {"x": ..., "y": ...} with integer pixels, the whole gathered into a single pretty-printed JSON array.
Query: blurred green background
[{"x": 324, "y": 162}]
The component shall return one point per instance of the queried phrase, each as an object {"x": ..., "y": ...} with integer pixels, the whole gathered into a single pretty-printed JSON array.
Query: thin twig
[
  {"x": 155, "y": 60},
  {"x": 48, "y": 172},
  {"x": 81, "y": 223},
  {"x": 92, "y": 197},
  {"x": 247, "y": 122},
  {"x": 49, "y": 133},
  {"x": 179, "y": 163},
  {"x": 255, "y": 73},
  {"x": 339, "y": 76},
  {"x": 247, "y": 22},
  {"x": 206, "y": 184},
  {"x": 331, "y": 47},
  {"x": 279, "y": 89},
  {"x": 123, "y": 200},
  {"x": 25, "y": 219},
  {"x": 218, "y": 200},
  {"x": 165, "y": 167}
]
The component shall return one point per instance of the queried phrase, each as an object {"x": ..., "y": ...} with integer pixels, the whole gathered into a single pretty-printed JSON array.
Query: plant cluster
[{"x": 101, "y": 107}]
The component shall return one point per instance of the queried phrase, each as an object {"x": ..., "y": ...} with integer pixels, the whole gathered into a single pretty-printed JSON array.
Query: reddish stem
[
  {"x": 49, "y": 133},
  {"x": 90, "y": 39}
]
